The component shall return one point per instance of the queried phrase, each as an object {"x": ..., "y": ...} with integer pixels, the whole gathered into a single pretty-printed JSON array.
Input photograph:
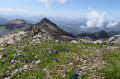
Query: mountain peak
[
  {"x": 52, "y": 30},
  {"x": 44, "y": 21}
]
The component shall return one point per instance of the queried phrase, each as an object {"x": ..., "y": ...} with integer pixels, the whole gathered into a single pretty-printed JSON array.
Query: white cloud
[
  {"x": 6, "y": 9},
  {"x": 10, "y": 11},
  {"x": 112, "y": 24},
  {"x": 47, "y": 2},
  {"x": 83, "y": 27},
  {"x": 94, "y": 18}
]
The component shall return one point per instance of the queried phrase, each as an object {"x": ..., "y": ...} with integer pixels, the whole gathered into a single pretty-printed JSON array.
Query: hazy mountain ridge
[
  {"x": 95, "y": 36},
  {"x": 3, "y": 20},
  {"x": 59, "y": 30},
  {"x": 74, "y": 26},
  {"x": 52, "y": 30},
  {"x": 17, "y": 23},
  {"x": 14, "y": 26},
  {"x": 80, "y": 28},
  {"x": 45, "y": 25},
  {"x": 98, "y": 35}
]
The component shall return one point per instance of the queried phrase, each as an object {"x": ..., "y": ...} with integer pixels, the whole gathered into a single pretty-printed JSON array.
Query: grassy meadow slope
[{"x": 51, "y": 60}]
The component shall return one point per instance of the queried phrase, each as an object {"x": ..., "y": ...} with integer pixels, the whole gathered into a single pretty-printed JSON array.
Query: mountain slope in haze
[
  {"x": 96, "y": 35},
  {"x": 14, "y": 26},
  {"x": 3, "y": 20},
  {"x": 17, "y": 23},
  {"x": 112, "y": 33},
  {"x": 81, "y": 27},
  {"x": 53, "y": 31}
]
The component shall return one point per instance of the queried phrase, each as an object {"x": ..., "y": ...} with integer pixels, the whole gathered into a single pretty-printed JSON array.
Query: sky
[
  {"x": 92, "y": 10},
  {"x": 66, "y": 8}
]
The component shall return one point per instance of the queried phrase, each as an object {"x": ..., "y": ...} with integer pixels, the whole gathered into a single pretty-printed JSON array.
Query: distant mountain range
[
  {"x": 79, "y": 28},
  {"x": 74, "y": 26},
  {"x": 94, "y": 36},
  {"x": 14, "y": 26},
  {"x": 45, "y": 25},
  {"x": 98, "y": 35},
  {"x": 58, "y": 30}
]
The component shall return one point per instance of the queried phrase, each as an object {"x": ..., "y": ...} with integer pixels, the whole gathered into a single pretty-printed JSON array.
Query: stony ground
[{"x": 51, "y": 60}]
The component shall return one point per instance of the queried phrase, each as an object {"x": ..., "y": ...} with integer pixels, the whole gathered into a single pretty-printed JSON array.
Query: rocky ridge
[{"x": 52, "y": 30}]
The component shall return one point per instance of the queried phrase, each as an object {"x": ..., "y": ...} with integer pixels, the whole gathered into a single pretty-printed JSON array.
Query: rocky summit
[{"x": 52, "y": 30}]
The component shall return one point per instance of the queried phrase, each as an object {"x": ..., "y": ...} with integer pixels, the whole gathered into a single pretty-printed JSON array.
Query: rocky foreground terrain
[
  {"x": 50, "y": 53},
  {"x": 26, "y": 56}
]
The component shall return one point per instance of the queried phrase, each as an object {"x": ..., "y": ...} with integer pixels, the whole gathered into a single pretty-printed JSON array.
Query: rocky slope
[
  {"x": 53, "y": 32},
  {"x": 114, "y": 39},
  {"x": 23, "y": 56}
]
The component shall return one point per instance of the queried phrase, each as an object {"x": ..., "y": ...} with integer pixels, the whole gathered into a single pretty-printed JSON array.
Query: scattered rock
[
  {"x": 26, "y": 68},
  {"x": 64, "y": 76},
  {"x": 7, "y": 77},
  {"x": 16, "y": 38},
  {"x": 33, "y": 62},
  {"x": 14, "y": 72},
  {"x": 70, "y": 64},
  {"x": 35, "y": 30},
  {"x": 38, "y": 62},
  {"x": 4, "y": 56},
  {"x": 74, "y": 42},
  {"x": 10, "y": 66},
  {"x": 7, "y": 74},
  {"x": 84, "y": 67},
  {"x": 98, "y": 41},
  {"x": 36, "y": 38},
  {"x": 1, "y": 76},
  {"x": 22, "y": 33},
  {"x": 56, "y": 41},
  {"x": 10, "y": 41},
  {"x": 114, "y": 39},
  {"x": 112, "y": 48},
  {"x": 46, "y": 69},
  {"x": 12, "y": 61},
  {"x": 31, "y": 65},
  {"x": 36, "y": 56},
  {"x": 2, "y": 48},
  {"x": 0, "y": 56},
  {"x": 85, "y": 61}
]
